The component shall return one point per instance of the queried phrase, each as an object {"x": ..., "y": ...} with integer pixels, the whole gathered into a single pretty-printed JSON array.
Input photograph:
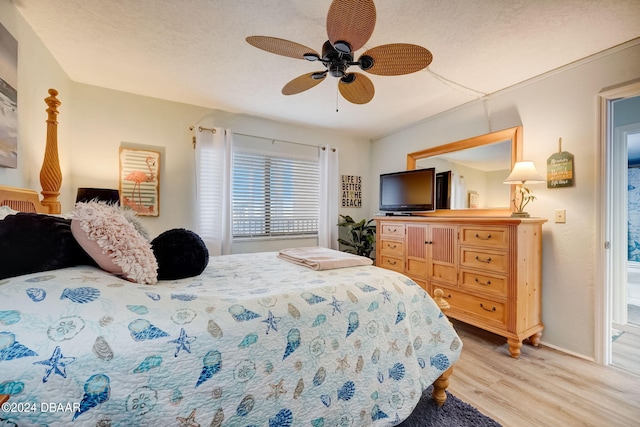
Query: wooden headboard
[{"x": 26, "y": 200}]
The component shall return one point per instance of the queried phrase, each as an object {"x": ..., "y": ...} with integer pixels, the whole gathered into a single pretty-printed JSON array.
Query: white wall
[{"x": 563, "y": 104}]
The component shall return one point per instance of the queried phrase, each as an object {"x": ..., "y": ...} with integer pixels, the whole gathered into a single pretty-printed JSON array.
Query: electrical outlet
[{"x": 561, "y": 216}]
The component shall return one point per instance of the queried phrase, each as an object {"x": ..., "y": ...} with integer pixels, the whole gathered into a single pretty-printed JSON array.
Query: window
[{"x": 274, "y": 194}]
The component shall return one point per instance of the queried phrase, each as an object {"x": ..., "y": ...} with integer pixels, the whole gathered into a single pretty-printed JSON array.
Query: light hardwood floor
[
  {"x": 544, "y": 387},
  {"x": 626, "y": 348}
]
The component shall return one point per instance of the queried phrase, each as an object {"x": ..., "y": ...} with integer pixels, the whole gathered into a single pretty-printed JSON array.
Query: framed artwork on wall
[
  {"x": 8, "y": 99},
  {"x": 140, "y": 181}
]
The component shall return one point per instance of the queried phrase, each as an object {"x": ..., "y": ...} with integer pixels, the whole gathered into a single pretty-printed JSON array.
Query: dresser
[{"x": 489, "y": 268}]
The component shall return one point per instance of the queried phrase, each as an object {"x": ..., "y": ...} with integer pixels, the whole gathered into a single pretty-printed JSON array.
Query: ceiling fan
[{"x": 350, "y": 24}]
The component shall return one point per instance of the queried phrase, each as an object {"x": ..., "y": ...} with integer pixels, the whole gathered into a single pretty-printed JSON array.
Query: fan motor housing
[{"x": 336, "y": 62}]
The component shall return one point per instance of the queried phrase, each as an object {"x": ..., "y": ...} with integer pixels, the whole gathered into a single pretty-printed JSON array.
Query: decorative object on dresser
[
  {"x": 522, "y": 173},
  {"x": 489, "y": 268}
]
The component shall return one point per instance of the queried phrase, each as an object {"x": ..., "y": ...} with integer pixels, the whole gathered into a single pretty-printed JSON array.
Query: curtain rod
[
  {"x": 201, "y": 129},
  {"x": 279, "y": 140}
]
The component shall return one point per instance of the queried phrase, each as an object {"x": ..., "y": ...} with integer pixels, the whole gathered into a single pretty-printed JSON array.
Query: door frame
[{"x": 608, "y": 256}]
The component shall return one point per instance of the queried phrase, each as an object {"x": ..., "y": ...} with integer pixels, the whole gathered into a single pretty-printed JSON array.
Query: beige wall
[{"x": 563, "y": 104}]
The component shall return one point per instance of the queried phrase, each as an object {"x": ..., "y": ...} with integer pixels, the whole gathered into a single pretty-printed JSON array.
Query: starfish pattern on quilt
[
  {"x": 272, "y": 322},
  {"x": 183, "y": 342},
  {"x": 57, "y": 364}
]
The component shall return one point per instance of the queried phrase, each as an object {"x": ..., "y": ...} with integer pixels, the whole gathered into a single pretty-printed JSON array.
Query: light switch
[{"x": 561, "y": 216}]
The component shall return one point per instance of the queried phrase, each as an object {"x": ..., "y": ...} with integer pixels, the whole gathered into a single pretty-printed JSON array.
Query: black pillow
[
  {"x": 31, "y": 243},
  {"x": 180, "y": 253}
]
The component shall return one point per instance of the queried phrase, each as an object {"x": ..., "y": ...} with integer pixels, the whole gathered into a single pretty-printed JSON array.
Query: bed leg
[
  {"x": 439, "y": 387},
  {"x": 3, "y": 398},
  {"x": 441, "y": 384}
]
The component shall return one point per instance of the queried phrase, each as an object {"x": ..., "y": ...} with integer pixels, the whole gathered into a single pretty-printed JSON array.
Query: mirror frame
[{"x": 514, "y": 134}]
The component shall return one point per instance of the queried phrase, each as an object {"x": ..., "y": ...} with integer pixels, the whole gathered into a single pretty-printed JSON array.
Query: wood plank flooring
[
  {"x": 626, "y": 348},
  {"x": 544, "y": 387}
]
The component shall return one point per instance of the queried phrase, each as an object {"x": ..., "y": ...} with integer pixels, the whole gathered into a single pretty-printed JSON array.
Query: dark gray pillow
[
  {"x": 180, "y": 253},
  {"x": 31, "y": 243}
]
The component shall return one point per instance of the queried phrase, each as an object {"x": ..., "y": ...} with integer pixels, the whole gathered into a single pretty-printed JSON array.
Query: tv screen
[{"x": 408, "y": 191}]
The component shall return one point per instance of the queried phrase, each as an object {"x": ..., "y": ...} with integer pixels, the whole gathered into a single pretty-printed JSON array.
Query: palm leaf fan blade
[
  {"x": 398, "y": 58},
  {"x": 301, "y": 83},
  {"x": 280, "y": 46},
  {"x": 351, "y": 21},
  {"x": 359, "y": 91}
]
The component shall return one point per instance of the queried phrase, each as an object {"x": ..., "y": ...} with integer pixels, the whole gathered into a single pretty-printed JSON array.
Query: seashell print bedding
[{"x": 253, "y": 341}]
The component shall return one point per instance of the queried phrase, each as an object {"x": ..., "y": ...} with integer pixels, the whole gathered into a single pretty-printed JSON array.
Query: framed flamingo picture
[{"x": 140, "y": 181}]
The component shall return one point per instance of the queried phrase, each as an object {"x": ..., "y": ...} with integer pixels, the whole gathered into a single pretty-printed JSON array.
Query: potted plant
[{"x": 360, "y": 237}]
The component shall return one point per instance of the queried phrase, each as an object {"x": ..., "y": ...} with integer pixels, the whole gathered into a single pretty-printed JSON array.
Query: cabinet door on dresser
[{"x": 432, "y": 253}]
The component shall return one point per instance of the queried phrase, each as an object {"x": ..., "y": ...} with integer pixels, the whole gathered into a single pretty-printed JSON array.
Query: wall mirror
[{"x": 470, "y": 172}]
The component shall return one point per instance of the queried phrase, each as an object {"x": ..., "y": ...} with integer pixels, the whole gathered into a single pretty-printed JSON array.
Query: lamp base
[{"x": 520, "y": 214}]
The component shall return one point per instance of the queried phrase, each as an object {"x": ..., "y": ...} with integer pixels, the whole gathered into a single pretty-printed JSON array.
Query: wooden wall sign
[
  {"x": 560, "y": 168},
  {"x": 351, "y": 191}
]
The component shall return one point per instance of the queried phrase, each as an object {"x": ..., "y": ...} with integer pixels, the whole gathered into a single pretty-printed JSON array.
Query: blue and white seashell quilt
[{"x": 253, "y": 341}]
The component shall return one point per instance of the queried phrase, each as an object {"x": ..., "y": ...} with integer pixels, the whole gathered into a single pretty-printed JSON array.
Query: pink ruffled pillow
[{"x": 113, "y": 242}]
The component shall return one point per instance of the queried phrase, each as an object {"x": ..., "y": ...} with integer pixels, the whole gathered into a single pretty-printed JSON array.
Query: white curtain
[
  {"x": 213, "y": 188},
  {"x": 329, "y": 196},
  {"x": 458, "y": 192}
]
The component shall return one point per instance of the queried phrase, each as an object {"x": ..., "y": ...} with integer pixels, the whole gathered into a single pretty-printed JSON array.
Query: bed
[{"x": 254, "y": 340}]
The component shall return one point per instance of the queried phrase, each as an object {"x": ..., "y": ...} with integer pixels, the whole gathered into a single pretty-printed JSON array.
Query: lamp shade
[
  {"x": 100, "y": 194},
  {"x": 524, "y": 172}
]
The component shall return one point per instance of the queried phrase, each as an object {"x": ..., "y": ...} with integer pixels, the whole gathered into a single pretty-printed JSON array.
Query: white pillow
[
  {"x": 5, "y": 211},
  {"x": 113, "y": 242}
]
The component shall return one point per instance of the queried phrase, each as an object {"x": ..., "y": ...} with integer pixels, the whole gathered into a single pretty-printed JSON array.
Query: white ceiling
[{"x": 194, "y": 51}]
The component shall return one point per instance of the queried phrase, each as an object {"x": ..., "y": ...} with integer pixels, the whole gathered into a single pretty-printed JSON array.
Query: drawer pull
[
  {"x": 390, "y": 246},
  {"x": 483, "y": 238},
  {"x": 391, "y": 262},
  {"x": 487, "y": 260},
  {"x": 487, "y": 283},
  {"x": 486, "y": 309}
]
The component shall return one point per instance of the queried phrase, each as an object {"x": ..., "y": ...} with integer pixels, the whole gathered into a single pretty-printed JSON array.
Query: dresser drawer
[
  {"x": 494, "y": 284},
  {"x": 476, "y": 307},
  {"x": 444, "y": 273},
  {"x": 485, "y": 236},
  {"x": 486, "y": 260},
  {"x": 391, "y": 263},
  {"x": 392, "y": 229},
  {"x": 392, "y": 247}
]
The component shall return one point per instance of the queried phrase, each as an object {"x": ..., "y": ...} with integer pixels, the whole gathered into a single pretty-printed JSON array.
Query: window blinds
[{"x": 274, "y": 194}]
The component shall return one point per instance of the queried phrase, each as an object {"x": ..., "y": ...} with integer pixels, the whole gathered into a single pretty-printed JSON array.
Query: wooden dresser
[{"x": 489, "y": 268}]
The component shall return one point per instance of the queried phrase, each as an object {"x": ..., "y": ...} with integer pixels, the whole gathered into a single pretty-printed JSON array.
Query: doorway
[{"x": 618, "y": 337}]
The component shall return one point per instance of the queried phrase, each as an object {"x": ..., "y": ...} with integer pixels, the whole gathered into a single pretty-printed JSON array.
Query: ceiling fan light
[
  {"x": 311, "y": 56},
  {"x": 342, "y": 47},
  {"x": 318, "y": 76},
  {"x": 348, "y": 78},
  {"x": 365, "y": 62}
]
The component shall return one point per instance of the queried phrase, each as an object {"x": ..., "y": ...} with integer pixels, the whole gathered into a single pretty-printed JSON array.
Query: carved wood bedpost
[
  {"x": 441, "y": 384},
  {"x": 50, "y": 174}
]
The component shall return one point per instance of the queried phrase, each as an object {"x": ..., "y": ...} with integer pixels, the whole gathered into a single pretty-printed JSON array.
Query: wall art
[
  {"x": 8, "y": 99},
  {"x": 140, "y": 181}
]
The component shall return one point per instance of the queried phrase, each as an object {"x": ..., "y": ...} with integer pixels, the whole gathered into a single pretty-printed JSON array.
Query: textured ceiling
[{"x": 194, "y": 51}]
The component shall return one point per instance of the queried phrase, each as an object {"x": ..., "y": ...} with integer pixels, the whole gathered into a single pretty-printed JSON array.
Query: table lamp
[{"x": 523, "y": 173}]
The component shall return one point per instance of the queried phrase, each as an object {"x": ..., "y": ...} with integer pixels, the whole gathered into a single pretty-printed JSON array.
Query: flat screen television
[{"x": 408, "y": 191}]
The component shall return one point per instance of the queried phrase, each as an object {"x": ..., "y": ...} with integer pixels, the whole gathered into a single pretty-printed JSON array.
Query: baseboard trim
[{"x": 569, "y": 352}]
